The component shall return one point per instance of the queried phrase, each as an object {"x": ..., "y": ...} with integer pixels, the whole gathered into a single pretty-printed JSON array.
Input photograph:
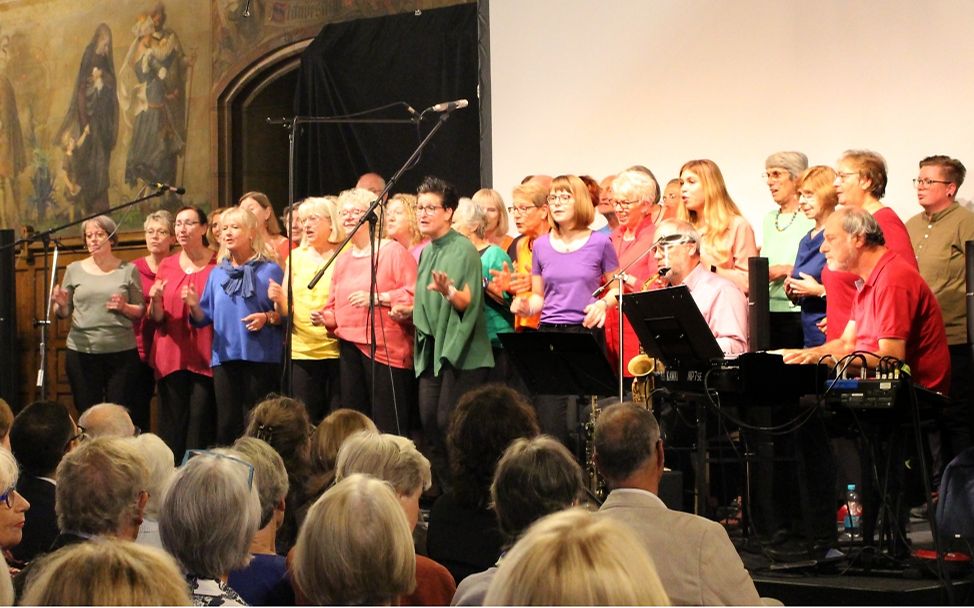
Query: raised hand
[
  {"x": 189, "y": 296},
  {"x": 117, "y": 302},
  {"x": 275, "y": 292},
  {"x": 155, "y": 292}
]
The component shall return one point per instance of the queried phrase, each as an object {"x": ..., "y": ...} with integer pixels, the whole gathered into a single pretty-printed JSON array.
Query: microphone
[
  {"x": 448, "y": 106},
  {"x": 246, "y": 10},
  {"x": 168, "y": 188}
]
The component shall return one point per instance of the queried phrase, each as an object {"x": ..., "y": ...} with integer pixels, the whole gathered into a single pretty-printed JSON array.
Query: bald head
[
  {"x": 372, "y": 182},
  {"x": 107, "y": 420}
]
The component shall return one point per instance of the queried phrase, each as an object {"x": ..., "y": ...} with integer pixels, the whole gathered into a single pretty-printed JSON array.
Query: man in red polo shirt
[{"x": 895, "y": 314}]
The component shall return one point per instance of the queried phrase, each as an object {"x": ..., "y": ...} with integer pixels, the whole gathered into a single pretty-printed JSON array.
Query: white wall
[{"x": 586, "y": 86}]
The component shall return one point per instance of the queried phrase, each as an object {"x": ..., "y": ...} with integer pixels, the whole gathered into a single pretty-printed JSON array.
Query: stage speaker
[
  {"x": 758, "y": 305},
  {"x": 8, "y": 320}
]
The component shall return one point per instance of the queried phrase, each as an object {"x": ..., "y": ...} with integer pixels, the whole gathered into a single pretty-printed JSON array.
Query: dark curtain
[{"x": 364, "y": 64}]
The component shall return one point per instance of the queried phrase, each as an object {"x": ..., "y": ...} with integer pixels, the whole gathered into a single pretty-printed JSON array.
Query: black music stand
[{"x": 672, "y": 329}]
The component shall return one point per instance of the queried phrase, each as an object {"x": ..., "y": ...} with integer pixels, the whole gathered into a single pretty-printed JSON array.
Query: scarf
[{"x": 240, "y": 279}]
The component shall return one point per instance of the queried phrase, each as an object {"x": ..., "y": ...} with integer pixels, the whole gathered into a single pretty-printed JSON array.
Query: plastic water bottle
[{"x": 853, "y": 518}]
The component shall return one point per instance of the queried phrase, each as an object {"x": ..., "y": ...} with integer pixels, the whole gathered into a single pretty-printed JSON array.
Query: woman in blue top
[
  {"x": 247, "y": 337},
  {"x": 817, "y": 200}
]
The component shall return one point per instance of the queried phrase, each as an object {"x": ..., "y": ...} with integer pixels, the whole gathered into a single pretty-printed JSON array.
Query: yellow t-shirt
[{"x": 308, "y": 341}]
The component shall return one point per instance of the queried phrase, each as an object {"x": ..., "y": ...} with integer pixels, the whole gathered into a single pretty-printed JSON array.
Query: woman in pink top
[
  {"x": 727, "y": 239},
  {"x": 180, "y": 352},
  {"x": 376, "y": 369}
]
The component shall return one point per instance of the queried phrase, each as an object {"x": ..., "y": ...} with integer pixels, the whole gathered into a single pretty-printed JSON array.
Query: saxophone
[
  {"x": 596, "y": 484},
  {"x": 642, "y": 366}
]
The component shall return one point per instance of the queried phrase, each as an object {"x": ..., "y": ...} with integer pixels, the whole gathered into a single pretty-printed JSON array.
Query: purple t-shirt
[{"x": 570, "y": 278}]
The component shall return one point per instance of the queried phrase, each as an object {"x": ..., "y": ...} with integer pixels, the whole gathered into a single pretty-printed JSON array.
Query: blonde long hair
[
  {"x": 262, "y": 250},
  {"x": 719, "y": 209}
]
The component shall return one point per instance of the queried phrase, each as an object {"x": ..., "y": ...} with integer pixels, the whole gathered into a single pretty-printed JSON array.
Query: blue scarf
[{"x": 240, "y": 279}]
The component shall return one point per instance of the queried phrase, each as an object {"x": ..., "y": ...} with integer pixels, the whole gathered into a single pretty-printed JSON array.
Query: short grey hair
[
  {"x": 270, "y": 474},
  {"x": 387, "y": 457},
  {"x": 105, "y": 223},
  {"x": 98, "y": 486},
  {"x": 210, "y": 515},
  {"x": 471, "y": 217},
  {"x": 793, "y": 162},
  {"x": 625, "y": 439},
  {"x": 355, "y": 546},
  {"x": 160, "y": 216},
  {"x": 9, "y": 470},
  {"x": 107, "y": 420},
  {"x": 638, "y": 184},
  {"x": 859, "y": 222},
  {"x": 161, "y": 464}
]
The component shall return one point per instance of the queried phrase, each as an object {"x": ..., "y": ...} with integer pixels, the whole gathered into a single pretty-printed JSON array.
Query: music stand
[
  {"x": 672, "y": 329},
  {"x": 555, "y": 363}
]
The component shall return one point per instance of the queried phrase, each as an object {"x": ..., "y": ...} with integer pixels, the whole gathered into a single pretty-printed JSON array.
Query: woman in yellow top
[
  {"x": 727, "y": 239},
  {"x": 315, "y": 371}
]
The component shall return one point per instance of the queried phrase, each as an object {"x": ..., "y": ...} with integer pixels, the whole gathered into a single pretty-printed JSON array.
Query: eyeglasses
[
  {"x": 520, "y": 210},
  {"x": 186, "y": 223},
  {"x": 671, "y": 240},
  {"x": 775, "y": 174},
  {"x": 8, "y": 497},
  {"x": 80, "y": 436},
  {"x": 846, "y": 174},
  {"x": 190, "y": 454},
  {"x": 427, "y": 209},
  {"x": 350, "y": 213},
  {"x": 806, "y": 196},
  {"x": 926, "y": 182},
  {"x": 157, "y": 232},
  {"x": 624, "y": 204},
  {"x": 559, "y": 199}
]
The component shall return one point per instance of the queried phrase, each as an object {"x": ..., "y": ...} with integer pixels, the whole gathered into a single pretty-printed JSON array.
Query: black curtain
[{"x": 351, "y": 67}]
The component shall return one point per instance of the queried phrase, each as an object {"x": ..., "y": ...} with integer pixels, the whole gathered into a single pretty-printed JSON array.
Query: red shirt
[
  {"x": 145, "y": 327},
  {"x": 177, "y": 345},
  {"x": 895, "y": 302},
  {"x": 840, "y": 286},
  {"x": 627, "y": 251}
]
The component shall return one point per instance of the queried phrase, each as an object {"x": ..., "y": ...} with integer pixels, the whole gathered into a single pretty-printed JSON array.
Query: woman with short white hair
[
  {"x": 574, "y": 557},
  {"x": 355, "y": 547},
  {"x": 208, "y": 519},
  {"x": 162, "y": 465}
]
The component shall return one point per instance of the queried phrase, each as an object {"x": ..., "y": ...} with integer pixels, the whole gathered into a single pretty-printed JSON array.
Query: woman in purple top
[{"x": 568, "y": 265}]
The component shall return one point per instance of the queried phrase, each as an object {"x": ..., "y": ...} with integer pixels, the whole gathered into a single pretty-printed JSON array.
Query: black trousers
[
  {"x": 103, "y": 377},
  {"x": 317, "y": 382},
  {"x": 187, "y": 411},
  {"x": 395, "y": 390},
  {"x": 141, "y": 408},
  {"x": 239, "y": 386},
  {"x": 438, "y": 397}
]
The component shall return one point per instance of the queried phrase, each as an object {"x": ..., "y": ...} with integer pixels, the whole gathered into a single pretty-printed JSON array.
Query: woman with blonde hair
[
  {"x": 727, "y": 239},
  {"x": 276, "y": 244},
  {"x": 401, "y": 224},
  {"x": 355, "y": 547},
  {"x": 492, "y": 203},
  {"x": 213, "y": 230},
  {"x": 314, "y": 352},
  {"x": 575, "y": 557},
  {"x": 247, "y": 336},
  {"x": 107, "y": 572},
  {"x": 102, "y": 295},
  {"x": 817, "y": 200},
  {"x": 12, "y": 504}
]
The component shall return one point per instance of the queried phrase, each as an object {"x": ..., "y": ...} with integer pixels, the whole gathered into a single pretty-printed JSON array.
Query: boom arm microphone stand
[{"x": 46, "y": 237}]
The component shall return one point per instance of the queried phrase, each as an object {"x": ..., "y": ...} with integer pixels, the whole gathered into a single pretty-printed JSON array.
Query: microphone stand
[
  {"x": 46, "y": 237},
  {"x": 620, "y": 277}
]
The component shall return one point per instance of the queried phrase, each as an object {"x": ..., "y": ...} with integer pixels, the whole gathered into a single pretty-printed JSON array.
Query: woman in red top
[
  {"x": 180, "y": 352},
  {"x": 381, "y": 384}
]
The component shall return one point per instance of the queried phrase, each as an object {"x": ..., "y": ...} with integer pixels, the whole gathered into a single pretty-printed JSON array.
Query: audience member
[
  {"x": 694, "y": 557},
  {"x": 13, "y": 505},
  {"x": 162, "y": 466},
  {"x": 283, "y": 423},
  {"x": 535, "y": 477},
  {"x": 264, "y": 581},
  {"x": 575, "y": 558},
  {"x": 6, "y": 421},
  {"x": 107, "y": 572},
  {"x": 107, "y": 420},
  {"x": 355, "y": 547},
  {"x": 396, "y": 460},
  {"x": 463, "y": 533},
  {"x": 782, "y": 230},
  {"x": 102, "y": 295},
  {"x": 727, "y": 239},
  {"x": 208, "y": 519},
  {"x": 41, "y": 434}
]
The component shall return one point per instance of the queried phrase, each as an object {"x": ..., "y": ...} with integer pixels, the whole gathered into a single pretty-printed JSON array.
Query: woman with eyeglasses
[
  {"x": 159, "y": 241},
  {"x": 102, "y": 294},
  {"x": 314, "y": 353},
  {"x": 568, "y": 266},
  {"x": 727, "y": 239},
  {"x": 181, "y": 351},
  {"x": 247, "y": 336},
  {"x": 12, "y": 504},
  {"x": 376, "y": 370}
]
